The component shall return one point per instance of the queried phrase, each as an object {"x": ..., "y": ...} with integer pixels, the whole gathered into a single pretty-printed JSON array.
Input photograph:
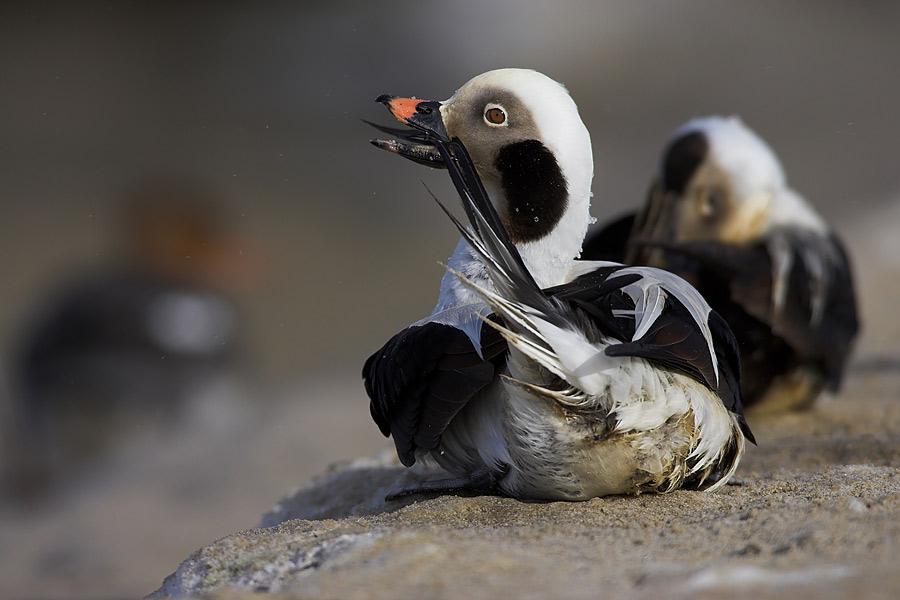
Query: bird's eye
[
  {"x": 708, "y": 203},
  {"x": 494, "y": 115}
]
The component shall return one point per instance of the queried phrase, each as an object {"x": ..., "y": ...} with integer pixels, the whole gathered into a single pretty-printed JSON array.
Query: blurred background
[{"x": 200, "y": 248}]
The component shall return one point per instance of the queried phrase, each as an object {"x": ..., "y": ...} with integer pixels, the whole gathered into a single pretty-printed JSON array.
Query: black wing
[
  {"x": 608, "y": 241},
  {"x": 673, "y": 342},
  {"x": 422, "y": 377},
  {"x": 820, "y": 334}
]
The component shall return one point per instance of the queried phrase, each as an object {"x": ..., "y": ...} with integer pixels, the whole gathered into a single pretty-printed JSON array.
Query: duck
[
  {"x": 720, "y": 213},
  {"x": 539, "y": 376}
]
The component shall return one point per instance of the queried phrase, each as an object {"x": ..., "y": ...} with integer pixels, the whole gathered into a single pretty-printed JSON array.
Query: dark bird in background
[
  {"x": 720, "y": 214},
  {"x": 127, "y": 346},
  {"x": 539, "y": 376}
]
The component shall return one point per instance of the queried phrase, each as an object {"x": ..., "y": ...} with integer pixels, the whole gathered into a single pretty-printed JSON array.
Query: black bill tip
[{"x": 423, "y": 154}]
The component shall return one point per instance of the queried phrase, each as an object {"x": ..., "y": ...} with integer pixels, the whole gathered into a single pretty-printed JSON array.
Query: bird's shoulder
[{"x": 424, "y": 375}]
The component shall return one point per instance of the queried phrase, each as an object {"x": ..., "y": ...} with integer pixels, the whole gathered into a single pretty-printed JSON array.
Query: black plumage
[
  {"x": 422, "y": 377},
  {"x": 535, "y": 188}
]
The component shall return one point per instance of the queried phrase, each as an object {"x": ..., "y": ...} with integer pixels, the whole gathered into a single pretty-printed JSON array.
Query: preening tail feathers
[
  {"x": 546, "y": 337},
  {"x": 487, "y": 236},
  {"x": 534, "y": 324}
]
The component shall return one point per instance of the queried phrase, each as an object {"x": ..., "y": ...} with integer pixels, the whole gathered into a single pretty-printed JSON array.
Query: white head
[
  {"x": 726, "y": 184},
  {"x": 533, "y": 154}
]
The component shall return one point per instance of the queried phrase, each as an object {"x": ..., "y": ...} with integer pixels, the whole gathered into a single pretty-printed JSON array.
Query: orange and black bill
[{"x": 417, "y": 143}]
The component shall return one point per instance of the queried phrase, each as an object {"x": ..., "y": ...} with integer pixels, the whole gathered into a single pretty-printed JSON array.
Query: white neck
[
  {"x": 453, "y": 292},
  {"x": 550, "y": 258}
]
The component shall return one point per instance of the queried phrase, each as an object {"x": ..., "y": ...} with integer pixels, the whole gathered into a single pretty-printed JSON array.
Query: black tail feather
[
  {"x": 489, "y": 236},
  {"x": 401, "y": 133}
]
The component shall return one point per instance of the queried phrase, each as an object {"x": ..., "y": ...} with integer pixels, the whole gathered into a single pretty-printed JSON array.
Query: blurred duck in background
[
  {"x": 720, "y": 214},
  {"x": 128, "y": 349}
]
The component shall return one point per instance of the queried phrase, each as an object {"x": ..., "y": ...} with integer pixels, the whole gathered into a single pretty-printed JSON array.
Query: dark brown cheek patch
[
  {"x": 682, "y": 160},
  {"x": 535, "y": 188}
]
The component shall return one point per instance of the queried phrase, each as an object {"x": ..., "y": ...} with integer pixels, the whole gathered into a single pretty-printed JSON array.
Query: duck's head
[
  {"x": 528, "y": 145},
  {"x": 719, "y": 181}
]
